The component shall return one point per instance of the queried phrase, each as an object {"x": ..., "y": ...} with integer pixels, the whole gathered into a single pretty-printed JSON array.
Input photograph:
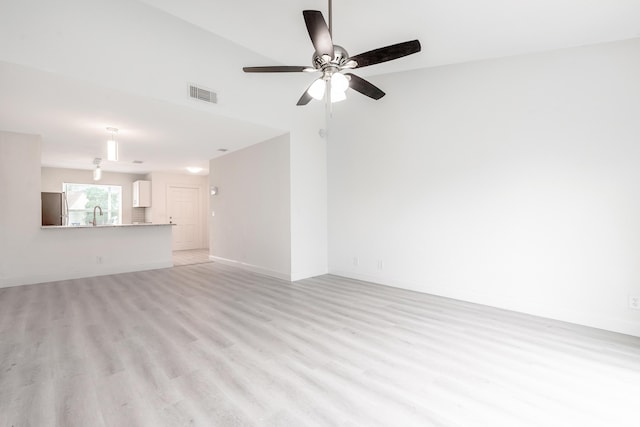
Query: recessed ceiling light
[
  {"x": 223, "y": 150},
  {"x": 138, "y": 162},
  {"x": 194, "y": 169}
]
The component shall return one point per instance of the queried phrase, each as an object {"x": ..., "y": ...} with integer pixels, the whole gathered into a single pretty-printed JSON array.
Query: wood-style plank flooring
[
  {"x": 208, "y": 345},
  {"x": 190, "y": 257}
]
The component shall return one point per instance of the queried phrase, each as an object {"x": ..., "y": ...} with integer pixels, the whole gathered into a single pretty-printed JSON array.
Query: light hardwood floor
[
  {"x": 211, "y": 346},
  {"x": 190, "y": 257}
]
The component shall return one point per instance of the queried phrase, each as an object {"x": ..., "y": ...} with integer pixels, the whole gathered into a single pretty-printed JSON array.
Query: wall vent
[{"x": 202, "y": 94}]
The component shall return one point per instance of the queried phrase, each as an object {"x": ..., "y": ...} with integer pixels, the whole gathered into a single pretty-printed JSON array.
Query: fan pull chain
[{"x": 329, "y": 102}]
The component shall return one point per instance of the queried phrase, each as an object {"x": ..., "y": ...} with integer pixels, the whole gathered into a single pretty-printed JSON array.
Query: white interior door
[{"x": 183, "y": 208}]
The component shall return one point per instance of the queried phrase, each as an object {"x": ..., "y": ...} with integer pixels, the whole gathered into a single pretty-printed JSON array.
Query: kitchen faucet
[{"x": 94, "y": 214}]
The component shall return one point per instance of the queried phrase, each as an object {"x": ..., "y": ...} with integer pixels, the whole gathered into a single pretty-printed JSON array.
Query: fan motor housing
[{"x": 340, "y": 57}]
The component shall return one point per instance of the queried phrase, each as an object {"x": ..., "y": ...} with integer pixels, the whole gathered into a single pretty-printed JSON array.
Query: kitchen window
[{"x": 83, "y": 198}]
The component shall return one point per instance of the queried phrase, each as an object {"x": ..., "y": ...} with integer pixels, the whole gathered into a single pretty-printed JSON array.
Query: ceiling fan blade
[
  {"x": 319, "y": 32},
  {"x": 387, "y": 53},
  {"x": 364, "y": 87},
  {"x": 305, "y": 98},
  {"x": 275, "y": 69}
]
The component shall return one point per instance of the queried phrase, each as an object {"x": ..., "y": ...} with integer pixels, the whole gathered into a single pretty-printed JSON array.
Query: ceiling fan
[{"x": 333, "y": 60}]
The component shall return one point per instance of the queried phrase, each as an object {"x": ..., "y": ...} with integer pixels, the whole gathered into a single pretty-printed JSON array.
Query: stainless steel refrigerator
[{"x": 54, "y": 209}]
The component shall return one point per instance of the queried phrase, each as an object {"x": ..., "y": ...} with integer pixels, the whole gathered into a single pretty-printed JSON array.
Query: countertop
[{"x": 142, "y": 224}]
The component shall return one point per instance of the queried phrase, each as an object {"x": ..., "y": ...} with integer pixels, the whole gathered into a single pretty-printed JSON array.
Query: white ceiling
[
  {"x": 450, "y": 31},
  {"x": 75, "y": 115},
  {"x": 68, "y": 70}
]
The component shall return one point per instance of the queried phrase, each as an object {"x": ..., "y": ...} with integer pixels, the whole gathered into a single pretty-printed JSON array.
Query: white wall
[
  {"x": 53, "y": 178},
  {"x": 20, "y": 214},
  {"x": 29, "y": 254},
  {"x": 252, "y": 224},
  {"x": 256, "y": 185},
  {"x": 161, "y": 181},
  {"x": 510, "y": 182},
  {"x": 308, "y": 194}
]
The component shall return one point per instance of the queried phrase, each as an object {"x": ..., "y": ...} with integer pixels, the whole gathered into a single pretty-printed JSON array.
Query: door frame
[{"x": 169, "y": 186}]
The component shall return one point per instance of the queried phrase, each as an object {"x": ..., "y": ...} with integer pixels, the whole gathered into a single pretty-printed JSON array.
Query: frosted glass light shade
[
  {"x": 316, "y": 90},
  {"x": 339, "y": 82},
  {"x": 97, "y": 173},
  {"x": 112, "y": 150},
  {"x": 337, "y": 95}
]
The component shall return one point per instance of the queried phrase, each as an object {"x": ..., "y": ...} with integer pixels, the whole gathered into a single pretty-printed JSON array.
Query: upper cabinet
[{"x": 142, "y": 194}]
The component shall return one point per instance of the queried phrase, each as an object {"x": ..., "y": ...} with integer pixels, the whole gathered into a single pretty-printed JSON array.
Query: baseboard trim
[
  {"x": 250, "y": 267},
  {"x": 505, "y": 302}
]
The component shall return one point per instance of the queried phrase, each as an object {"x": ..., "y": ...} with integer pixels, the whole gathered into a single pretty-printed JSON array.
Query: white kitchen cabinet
[{"x": 142, "y": 194}]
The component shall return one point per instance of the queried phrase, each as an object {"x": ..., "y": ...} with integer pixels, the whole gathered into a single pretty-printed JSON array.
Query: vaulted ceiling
[{"x": 69, "y": 69}]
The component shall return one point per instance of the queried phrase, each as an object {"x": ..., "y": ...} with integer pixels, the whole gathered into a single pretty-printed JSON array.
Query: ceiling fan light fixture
[
  {"x": 339, "y": 82},
  {"x": 337, "y": 95},
  {"x": 316, "y": 90},
  {"x": 331, "y": 59},
  {"x": 350, "y": 64}
]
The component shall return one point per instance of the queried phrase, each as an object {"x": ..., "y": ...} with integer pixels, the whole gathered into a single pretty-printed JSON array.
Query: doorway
[{"x": 183, "y": 209}]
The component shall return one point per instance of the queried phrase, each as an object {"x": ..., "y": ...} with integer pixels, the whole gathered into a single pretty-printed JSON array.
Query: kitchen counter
[
  {"x": 104, "y": 249},
  {"x": 142, "y": 224}
]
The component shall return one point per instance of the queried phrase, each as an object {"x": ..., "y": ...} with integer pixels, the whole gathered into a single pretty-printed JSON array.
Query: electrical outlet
[
  {"x": 380, "y": 265},
  {"x": 634, "y": 302},
  {"x": 356, "y": 261}
]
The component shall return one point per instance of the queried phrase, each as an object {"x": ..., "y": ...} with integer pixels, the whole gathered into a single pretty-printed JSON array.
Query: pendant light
[
  {"x": 112, "y": 145},
  {"x": 97, "y": 172}
]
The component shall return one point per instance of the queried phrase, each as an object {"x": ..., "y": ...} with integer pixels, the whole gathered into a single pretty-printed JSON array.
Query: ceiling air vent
[{"x": 203, "y": 94}]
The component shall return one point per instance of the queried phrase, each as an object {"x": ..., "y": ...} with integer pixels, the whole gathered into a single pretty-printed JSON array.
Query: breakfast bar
[{"x": 86, "y": 250}]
